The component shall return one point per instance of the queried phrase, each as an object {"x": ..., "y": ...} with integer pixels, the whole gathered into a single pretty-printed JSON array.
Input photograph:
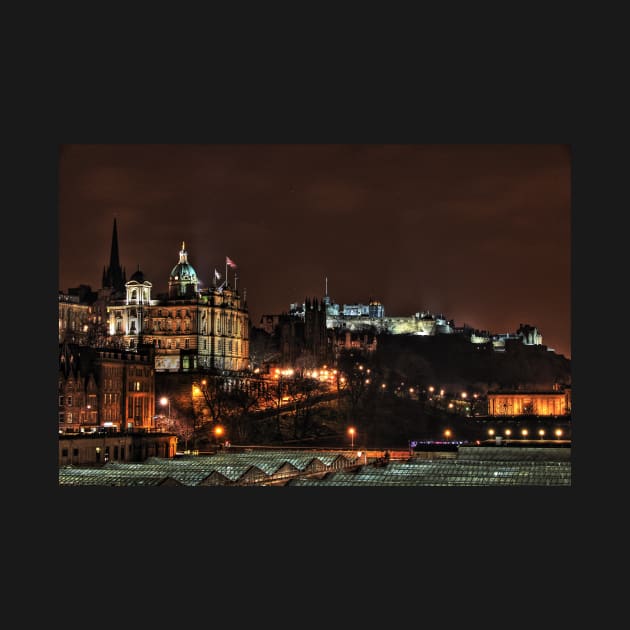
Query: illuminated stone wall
[
  {"x": 393, "y": 325},
  {"x": 518, "y": 404}
]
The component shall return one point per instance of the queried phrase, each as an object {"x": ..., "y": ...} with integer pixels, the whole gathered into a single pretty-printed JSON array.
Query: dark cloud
[{"x": 478, "y": 232}]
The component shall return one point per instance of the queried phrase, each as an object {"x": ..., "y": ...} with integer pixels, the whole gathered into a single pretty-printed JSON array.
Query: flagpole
[
  {"x": 235, "y": 279},
  {"x": 226, "y": 276}
]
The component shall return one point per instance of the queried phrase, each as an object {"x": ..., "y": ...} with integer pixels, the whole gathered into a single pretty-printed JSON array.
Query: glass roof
[{"x": 474, "y": 466}]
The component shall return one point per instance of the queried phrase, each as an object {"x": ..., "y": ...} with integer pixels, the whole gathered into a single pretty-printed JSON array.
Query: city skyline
[{"x": 480, "y": 233}]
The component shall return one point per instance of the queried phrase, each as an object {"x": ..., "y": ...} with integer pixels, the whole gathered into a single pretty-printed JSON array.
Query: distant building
[
  {"x": 364, "y": 342},
  {"x": 517, "y": 403},
  {"x": 371, "y": 318}
]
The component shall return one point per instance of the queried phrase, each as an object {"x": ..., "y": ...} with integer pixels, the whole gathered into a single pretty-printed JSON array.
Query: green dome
[{"x": 183, "y": 272}]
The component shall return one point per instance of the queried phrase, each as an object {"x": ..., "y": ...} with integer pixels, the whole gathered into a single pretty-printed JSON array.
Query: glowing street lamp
[
  {"x": 352, "y": 431},
  {"x": 558, "y": 433},
  {"x": 524, "y": 432},
  {"x": 218, "y": 432},
  {"x": 448, "y": 433},
  {"x": 508, "y": 432},
  {"x": 490, "y": 432},
  {"x": 541, "y": 432},
  {"x": 164, "y": 401}
]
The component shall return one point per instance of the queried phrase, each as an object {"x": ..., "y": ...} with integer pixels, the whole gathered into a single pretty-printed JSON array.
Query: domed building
[
  {"x": 182, "y": 282},
  {"x": 190, "y": 329}
]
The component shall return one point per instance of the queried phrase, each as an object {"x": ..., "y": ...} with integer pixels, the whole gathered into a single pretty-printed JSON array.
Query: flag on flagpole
[
  {"x": 217, "y": 275},
  {"x": 230, "y": 263}
]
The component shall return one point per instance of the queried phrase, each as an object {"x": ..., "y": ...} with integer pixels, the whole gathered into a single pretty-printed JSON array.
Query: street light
[
  {"x": 166, "y": 401},
  {"x": 352, "y": 431},
  {"x": 218, "y": 432}
]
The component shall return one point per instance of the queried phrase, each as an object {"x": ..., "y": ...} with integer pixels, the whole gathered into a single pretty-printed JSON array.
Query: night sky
[{"x": 479, "y": 233}]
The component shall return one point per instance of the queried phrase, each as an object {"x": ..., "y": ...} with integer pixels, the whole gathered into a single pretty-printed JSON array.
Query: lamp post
[
  {"x": 218, "y": 432},
  {"x": 352, "y": 431},
  {"x": 164, "y": 401}
]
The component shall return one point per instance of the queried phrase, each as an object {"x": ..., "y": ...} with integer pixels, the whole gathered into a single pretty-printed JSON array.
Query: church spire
[
  {"x": 114, "y": 262},
  {"x": 114, "y": 277}
]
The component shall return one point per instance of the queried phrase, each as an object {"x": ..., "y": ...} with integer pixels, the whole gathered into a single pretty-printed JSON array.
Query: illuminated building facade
[
  {"x": 555, "y": 403},
  {"x": 189, "y": 328}
]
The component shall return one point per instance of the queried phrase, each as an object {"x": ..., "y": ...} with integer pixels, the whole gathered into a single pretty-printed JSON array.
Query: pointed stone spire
[
  {"x": 115, "y": 277},
  {"x": 114, "y": 262}
]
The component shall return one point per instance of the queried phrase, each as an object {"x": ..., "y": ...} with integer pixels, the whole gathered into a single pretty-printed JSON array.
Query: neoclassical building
[
  {"x": 190, "y": 328},
  {"x": 553, "y": 403}
]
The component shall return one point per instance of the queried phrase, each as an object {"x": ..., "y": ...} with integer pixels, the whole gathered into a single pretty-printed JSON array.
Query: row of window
[
  {"x": 172, "y": 343},
  {"x": 140, "y": 386}
]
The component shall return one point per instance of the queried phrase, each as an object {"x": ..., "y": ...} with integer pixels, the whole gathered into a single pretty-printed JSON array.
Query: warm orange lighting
[
  {"x": 524, "y": 432},
  {"x": 490, "y": 432},
  {"x": 383, "y": 386},
  {"x": 431, "y": 389},
  {"x": 352, "y": 431},
  {"x": 450, "y": 405},
  {"x": 541, "y": 432},
  {"x": 508, "y": 432},
  {"x": 218, "y": 431},
  {"x": 448, "y": 433},
  {"x": 464, "y": 394},
  {"x": 164, "y": 401},
  {"x": 411, "y": 390},
  {"x": 558, "y": 432},
  {"x": 204, "y": 382}
]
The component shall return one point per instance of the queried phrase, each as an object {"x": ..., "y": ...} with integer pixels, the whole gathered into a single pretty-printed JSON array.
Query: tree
[
  {"x": 243, "y": 400},
  {"x": 302, "y": 393}
]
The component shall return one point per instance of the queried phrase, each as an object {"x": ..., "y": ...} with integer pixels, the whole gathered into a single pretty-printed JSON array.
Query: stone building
[
  {"x": 190, "y": 328},
  {"x": 105, "y": 388},
  {"x": 518, "y": 403}
]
